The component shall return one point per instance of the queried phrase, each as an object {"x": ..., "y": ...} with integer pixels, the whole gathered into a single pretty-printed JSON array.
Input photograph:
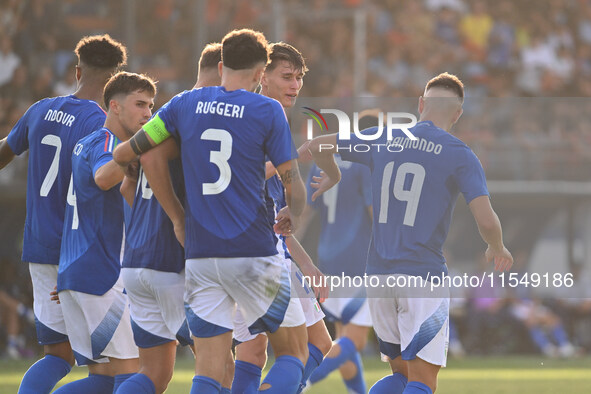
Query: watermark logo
[
  {"x": 392, "y": 122},
  {"x": 317, "y": 117}
]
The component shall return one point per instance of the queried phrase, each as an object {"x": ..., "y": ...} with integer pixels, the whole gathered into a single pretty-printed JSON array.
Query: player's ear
[
  {"x": 114, "y": 106},
  {"x": 259, "y": 74},
  {"x": 421, "y": 104},
  {"x": 78, "y": 73},
  {"x": 458, "y": 114},
  {"x": 220, "y": 67},
  {"x": 264, "y": 79}
]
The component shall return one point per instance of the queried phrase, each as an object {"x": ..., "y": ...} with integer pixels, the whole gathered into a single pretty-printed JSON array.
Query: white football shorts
[
  {"x": 49, "y": 319},
  {"x": 258, "y": 286},
  {"x": 302, "y": 293},
  {"x": 411, "y": 327},
  {"x": 98, "y": 326},
  {"x": 156, "y": 306},
  {"x": 354, "y": 310}
]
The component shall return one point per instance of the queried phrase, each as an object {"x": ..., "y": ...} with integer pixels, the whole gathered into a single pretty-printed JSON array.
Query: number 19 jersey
[
  {"x": 49, "y": 130},
  {"x": 414, "y": 192},
  {"x": 224, "y": 138}
]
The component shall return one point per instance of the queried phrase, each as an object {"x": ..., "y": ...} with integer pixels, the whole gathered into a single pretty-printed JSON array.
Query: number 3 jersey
[
  {"x": 93, "y": 224},
  {"x": 224, "y": 138},
  {"x": 414, "y": 192},
  {"x": 49, "y": 130}
]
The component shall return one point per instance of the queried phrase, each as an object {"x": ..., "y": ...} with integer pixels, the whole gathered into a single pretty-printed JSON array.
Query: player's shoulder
[
  {"x": 427, "y": 128},
  {"x": 261, "y": 100},
  {"x": 206, "y": 93},
  {"x": 96, "y": 136}
]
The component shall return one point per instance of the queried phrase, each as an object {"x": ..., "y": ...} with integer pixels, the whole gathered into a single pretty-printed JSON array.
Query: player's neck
[
  {"x": 207, "y": 78},
  {"x": 90, "y": 91},
  {"x": 437, "y": 121},
  {"x": 238, "y": 80},
  {"x": 115, "y": 127}
]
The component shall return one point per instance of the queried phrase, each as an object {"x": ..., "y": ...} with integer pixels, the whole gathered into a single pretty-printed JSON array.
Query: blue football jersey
[
  {"x": 49, "y": 130},
  {"x": 275, "y": 197},
  {"x": 149, "y": 234},
  {"x": 93, "y": 225},
  {"x": 224, "y": 139},
  {"x": 345, "y": 220},
  {"x": 414, "y": 194}
]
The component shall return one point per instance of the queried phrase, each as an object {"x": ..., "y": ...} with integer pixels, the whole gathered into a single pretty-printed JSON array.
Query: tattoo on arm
[
  {"x": 287, "y": 177},
  {"x": 140, "y": 143}
]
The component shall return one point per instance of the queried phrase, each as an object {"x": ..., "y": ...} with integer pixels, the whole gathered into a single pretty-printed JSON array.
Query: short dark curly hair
[
  {"x": 125, "y": 83},
  {"x": 101, "y": 52},
  {"x": 244, "y": 49}
]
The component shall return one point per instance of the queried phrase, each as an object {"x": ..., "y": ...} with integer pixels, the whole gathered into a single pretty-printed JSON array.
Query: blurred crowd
[
  {"x": 500, "y": 49},
  {"x": 526, "y": 66},
  {"x": 498, "y": 318}
]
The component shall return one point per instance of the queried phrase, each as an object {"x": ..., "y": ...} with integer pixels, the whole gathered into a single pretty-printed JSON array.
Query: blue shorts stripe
[
  {"x": 103, "y": 333},
  {"x": 202, "y": 328},
  {"x": 328, "y": 315},
  {"x": 353, "y": 306},
  {"x": 81, "y": 360},
  {"x": 391, "y": 350},
  {"x": 47, "y": 336},
  {"x": 146, "y": 339},
  {"x": 427, "y": 331},
  {"x": 271, "y": 320},
  {"x": 183, "y": 335}
]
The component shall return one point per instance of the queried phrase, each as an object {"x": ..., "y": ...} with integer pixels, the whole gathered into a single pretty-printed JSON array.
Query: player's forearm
[
  {"x": 491, "y": 232},
  {"x": 295, "y": 196},
  {"x": 488, "y": 222},
  {"x": 6, "y": 154},
  {"x": 295, "y": 191},
  {"x": 127, "y": 189},
  {"x": 298, "y": 253},
  {"x": 270, "y": 170},
  {"x": 108, "y": 176},
  {"x": 129, "y": 150},
  {"x": 157, "y": 173},
  {"x": 304, "y": 222},
  {"x": 322, "y": 149}
]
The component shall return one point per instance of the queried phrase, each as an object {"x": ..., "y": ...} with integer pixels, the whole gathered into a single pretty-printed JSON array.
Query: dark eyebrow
[{"x": 144, "y": 102}]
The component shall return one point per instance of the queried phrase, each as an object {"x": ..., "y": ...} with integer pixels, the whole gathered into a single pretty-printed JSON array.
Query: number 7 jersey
[
  {"x": 414, "y": 192},
  {"x": 49, "y": 130}
]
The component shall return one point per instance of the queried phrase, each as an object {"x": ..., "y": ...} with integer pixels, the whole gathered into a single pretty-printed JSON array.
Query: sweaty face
[
  {"x": 283, "y": 83},
  {"x": 136, "y": 109}
]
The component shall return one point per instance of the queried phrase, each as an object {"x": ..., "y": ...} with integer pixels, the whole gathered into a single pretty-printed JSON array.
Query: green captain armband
[{"x": 156, "y": 129}]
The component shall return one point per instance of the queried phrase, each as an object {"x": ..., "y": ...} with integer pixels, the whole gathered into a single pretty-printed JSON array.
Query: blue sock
[
  {"x": 284, "y": 376},
  {"x": 357, "y": 383},
  {"x": 119, "y": 379},
  {"x": 44, "y": 375},
  {"x": 314, "y": 360},
  {"x": 391, "y": 384},
  {"x": 136, "y": 384},
  {"x": 331, "y": 363},
  {"x": 93, "y": 384},
  {"x": 538, "y": 336},
  {"x": 205, "y": 385},
  {"x": 226, "y": 390},
  {"x": 247, "y": 378},
  {"x": 560, "y": 335},
  {"x": 417, "y": 388}
]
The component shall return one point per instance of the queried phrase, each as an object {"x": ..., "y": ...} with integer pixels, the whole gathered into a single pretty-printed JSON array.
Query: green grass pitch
[{"x": 496, "y": 375}]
